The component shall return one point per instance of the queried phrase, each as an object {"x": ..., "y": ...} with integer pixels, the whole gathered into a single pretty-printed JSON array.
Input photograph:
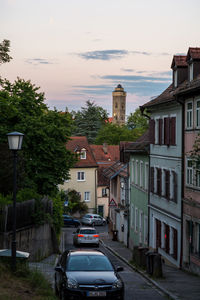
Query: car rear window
[
  {"x": 89, "y": 263},
  {"x": 88, "y": 231}
]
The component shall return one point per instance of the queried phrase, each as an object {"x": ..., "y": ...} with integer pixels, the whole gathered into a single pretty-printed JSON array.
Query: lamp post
[{"x": 15, "y": 142}]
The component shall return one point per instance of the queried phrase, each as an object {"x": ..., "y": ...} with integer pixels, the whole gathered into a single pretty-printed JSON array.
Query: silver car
[
  {"x": 86, "y": 235},
  {"x": 93, "y": 219}
]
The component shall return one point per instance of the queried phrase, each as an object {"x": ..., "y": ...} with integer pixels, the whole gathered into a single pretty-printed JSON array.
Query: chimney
[{"x": 105, "y": 148}]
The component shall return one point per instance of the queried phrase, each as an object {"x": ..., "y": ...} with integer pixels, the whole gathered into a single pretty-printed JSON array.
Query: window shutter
[
  {"x": 173, "y": 131},
  {"x": 175, "y": 250},
  {"x": 175, "y": 185},
  {"x": 167, "y": 184},
  {"x": 160, "y": 131},
  {"x": 152, "y": 180},
  {"x": 166, "y": 131},
  {"x": 152, "y": 131},
  {"x": 159, "y": 182}
]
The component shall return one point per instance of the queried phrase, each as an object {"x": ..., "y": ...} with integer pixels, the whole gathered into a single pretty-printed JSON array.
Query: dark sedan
[
  {"x": 87, "y": 274},
  {"x": 69, "y": 221}
]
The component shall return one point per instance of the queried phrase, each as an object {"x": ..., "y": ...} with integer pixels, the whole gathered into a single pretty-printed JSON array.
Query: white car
[
  {"x": 93, "y": 219},
  {"x": 85, "y": 236}
]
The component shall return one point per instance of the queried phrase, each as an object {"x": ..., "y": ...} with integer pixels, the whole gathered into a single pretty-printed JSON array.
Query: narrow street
[{"x": 136, "y": 287}]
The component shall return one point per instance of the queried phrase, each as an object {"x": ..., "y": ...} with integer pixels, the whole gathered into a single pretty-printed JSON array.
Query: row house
[
  {"x": 86, "y": 177},
  {"x": 174, "y": 191},
  {"x": 137, "y": 154},
  {"x": 118, "y": 175},
  {"x": 165, "y": 162},
  {"x": 186, "y": 81}
]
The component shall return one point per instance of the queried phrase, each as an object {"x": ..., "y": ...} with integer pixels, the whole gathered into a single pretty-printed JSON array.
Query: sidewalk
[{"x": 176, "y": 284}]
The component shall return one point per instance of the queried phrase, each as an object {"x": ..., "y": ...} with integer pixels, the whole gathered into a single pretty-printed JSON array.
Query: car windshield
[
  {"x": 88, "y": 231},
  {"x": 89, "y": 263}
]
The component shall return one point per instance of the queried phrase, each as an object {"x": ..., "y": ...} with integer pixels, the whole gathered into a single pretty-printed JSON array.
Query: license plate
[{"x": 96, "y": 294}]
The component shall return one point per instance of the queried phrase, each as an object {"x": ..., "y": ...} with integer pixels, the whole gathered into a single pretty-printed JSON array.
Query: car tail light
[
  {"x": 80, "y": 235},
  {"x": 95, "y": 235},
  {"x": 91, "y": 217}
]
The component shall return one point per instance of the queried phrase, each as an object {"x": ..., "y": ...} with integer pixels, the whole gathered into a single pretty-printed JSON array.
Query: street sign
[{"x": 112, "y": 203}]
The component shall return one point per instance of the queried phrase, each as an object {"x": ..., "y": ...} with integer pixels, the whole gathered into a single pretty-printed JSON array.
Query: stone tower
[{"x": 119, "y": 105}]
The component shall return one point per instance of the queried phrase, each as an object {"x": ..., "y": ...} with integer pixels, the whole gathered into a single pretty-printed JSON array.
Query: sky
[{"x": 79, "y": 50}]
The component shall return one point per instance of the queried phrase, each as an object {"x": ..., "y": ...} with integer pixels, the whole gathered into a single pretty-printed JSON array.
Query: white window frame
[
  {"x": 146, "y": 178},
  {"x": 175, "y": 78},
  {"x": 80, "y": 176},
  {"x": 189, "y": 173},
  {"x": 189, "y": 115},
  {"x": 83, "y": 154},
  {"x": 136, "y": 219},
  {"x": 197, "y": 114},
  {"x": 87, "y": 197},
  {"x": 197, "y": 176},
  {"x": 191, "y": 72},
  {"x": 133, "y": 171},
  {"x": 141, "y": 173},
  {"x": 136, "y": 172},
  {"x": 157, "y": 130}
]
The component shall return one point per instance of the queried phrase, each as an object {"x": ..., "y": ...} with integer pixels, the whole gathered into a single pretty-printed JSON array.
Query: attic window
[
  {"x": 83, "y": 154},
  {"x": 175, "y": 78},
  {"x": 191, "y": 72}
]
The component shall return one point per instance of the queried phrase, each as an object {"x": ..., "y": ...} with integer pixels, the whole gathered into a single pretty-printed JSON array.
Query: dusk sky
[{"x": 79, "y": 50}]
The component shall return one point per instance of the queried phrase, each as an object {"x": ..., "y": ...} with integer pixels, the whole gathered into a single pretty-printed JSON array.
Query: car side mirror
[
  {"x": 119, "y": 269},
  {"x": 58, "y": 269}
]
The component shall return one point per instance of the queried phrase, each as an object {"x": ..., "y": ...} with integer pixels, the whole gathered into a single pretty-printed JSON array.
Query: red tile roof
[
  {"x": 76, "y": 143},
  {"x": 118, "y": 168},
  {"x": 179, "y": 61},
  {"x": 105, "y": 154}
]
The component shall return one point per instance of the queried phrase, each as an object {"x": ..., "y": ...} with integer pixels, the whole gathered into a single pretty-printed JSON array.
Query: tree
[
  {"x": 4, "y": 49},
  {"x": 74, "y": 203},
  {"x": 45, "y": 159},
  {"x": 137, "y": 120},
  {"x": 112, "y": 134},
  {"x": 89, "y": 120}
]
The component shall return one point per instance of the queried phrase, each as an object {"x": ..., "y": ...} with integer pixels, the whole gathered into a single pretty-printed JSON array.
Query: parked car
[
  {"x": 85, "y": 236},
  {"x": 69, "y": 221},
  {"x": 93, "y": 219},
  {"x": 87, "y": 274}
]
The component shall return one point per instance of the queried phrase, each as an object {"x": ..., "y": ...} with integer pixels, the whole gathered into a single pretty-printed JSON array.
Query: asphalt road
[{"x": 136, "y": 286}]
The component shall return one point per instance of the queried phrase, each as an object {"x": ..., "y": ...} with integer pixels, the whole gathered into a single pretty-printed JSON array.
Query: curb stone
[{"x": 166, "y": 292}]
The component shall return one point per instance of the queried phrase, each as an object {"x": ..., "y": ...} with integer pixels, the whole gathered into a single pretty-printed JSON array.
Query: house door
[{"x": 101, "y": 210}]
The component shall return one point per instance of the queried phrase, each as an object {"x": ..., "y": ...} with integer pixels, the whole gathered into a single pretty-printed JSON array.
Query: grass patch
[{"x": 24, "y": 284}]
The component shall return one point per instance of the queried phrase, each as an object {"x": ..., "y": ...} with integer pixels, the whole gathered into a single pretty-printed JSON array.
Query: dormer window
[
  {"x": 83, "y": 154},
  {"x": 175, "y": 78},
  {"x": 191, "y": 71}
]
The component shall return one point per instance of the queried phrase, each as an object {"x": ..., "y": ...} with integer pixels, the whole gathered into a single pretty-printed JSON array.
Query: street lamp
[{"x": 15, "y": 143}]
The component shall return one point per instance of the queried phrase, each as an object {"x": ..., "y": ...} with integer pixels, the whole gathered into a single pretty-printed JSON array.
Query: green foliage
[
  {"x": 27, "y": 194},
  {"x": 89, "y": 120},
  {"x": 137, "y": 120},
  {"x": 112, "y": 134},
  {"x": 45, "y": 161},
  {"x": 4, "y": 50},
  {"x": 5, "y": 200},
  {"x": 75, "y": 204},
  {"x": 58, "y": 212}
]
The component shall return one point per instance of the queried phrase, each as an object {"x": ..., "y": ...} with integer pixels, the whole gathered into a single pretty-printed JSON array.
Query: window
[
  {"x": 152, "y": 180},
  {"x": 80, "y": 176},
  {"x": 133, "y": 171},
  {"x": 175, "y": 78},
  {"x": 167, "y": 184},
  {"x": 191, "y": 72},
  {"x": 159, "y": 181},
  {"x": 189, "y": 172},
  {"x": 104, "y": 192},
  {"x": 145, "y": 229},
  {"x": 136, "y": 172},
  {"x": 132, "y": 216},
  {"x": 136, "y": 219},
  {"x": 141, "y": 173},
  {"x": 173, "y": 186},
  {"x": 146, "y": 178},
  {"x": 157, "y": 131},
  {"x": 198, "y": 174},
  {"x": 87, "y": 196},
  {"x": 140, "y": 226},
  {"x": 189, "y": 115},
  {"x": 83, "y": 154},
  {"x": 198, "y": 114}
]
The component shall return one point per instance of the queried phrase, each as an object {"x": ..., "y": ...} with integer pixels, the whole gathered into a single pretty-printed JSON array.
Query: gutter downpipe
[
  {"x": 148, "y": 117},
  {"x": 181, "y": 102}
]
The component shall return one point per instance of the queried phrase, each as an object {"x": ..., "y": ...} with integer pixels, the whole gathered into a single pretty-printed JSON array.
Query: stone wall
[{"x": 39, "y": 241}]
